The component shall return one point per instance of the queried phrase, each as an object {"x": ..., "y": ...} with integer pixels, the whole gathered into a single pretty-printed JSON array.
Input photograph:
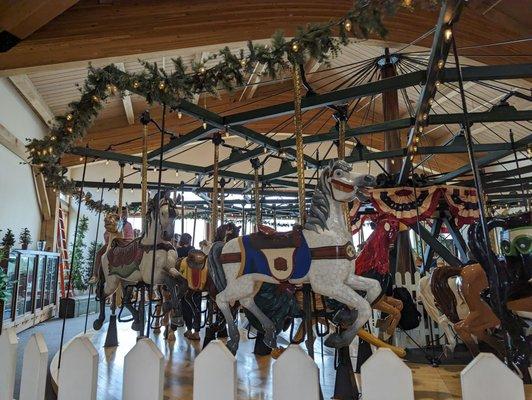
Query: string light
[
  {"x": 95, "y": 98},
  {"x": 52, "y": 138},
  {"x": 438, "y": 83},
  {"x": 131, "y": 190},
  {"x": 431, "y": 101},
  {"x": 161, "y": 85},
  {"x": 32, "y": 150},
  {"x": 176, "y": 173},
  {"x": 441, "y": 63},
  {"x": 243, "y": 62},
  {"x": 448, "y": 34},
  {"x": 265, "y": 150},
  {"x": 202, "y": 70},
  {"x": 50, "y": 150},
  {"x": 204, "y": 125},
  {"x": 44, "y": 152},
  {"x": 420, "y": 128},
  {"x": 69, "y": 129},
  {"x": 347, "y": 25},
  {"x": 136, "y": 84},
  {"x": 81, "y": 159},
  {"x": 179, "y": 114},
  {"x": 69, "y": 117},
  {"x": 416, "y": 139},
  {"x": 97, "y": 189},
  {"x": 295, "y": 47}
]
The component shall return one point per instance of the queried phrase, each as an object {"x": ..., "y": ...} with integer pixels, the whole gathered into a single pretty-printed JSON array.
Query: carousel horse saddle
[
  {"x": 125, "y": 252},
  {"x": 283, "y": 256}
]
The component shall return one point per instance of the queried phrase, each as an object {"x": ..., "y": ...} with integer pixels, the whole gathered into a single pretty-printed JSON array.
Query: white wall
[{"x": 18, "y": 200}]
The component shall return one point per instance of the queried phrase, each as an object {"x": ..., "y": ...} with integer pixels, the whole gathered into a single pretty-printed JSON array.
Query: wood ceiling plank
[{"x": 28, "y": 91}]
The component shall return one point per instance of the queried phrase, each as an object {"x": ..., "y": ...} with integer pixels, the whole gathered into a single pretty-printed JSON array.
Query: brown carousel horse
[{"x": 477, "y": 288}]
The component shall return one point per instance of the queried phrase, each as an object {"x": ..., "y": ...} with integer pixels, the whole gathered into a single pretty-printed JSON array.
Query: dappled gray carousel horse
[
  {"x": 321, "y": 254},
  {"x": 130, "y": 262}
]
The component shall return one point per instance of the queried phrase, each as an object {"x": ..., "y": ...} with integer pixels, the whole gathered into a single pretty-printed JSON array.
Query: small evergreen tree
[
  {"x": 79, "y": 267},
  {"x": 9, "y": 240},
  {"x": 3, "y": 280},
  {"x": 25, "y": 238}
]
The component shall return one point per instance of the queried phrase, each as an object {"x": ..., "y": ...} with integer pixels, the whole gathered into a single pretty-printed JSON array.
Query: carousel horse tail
[
  {"x": 444, "y": 297},
  {"x": 216, "y": 270},
  {"x": 368, "y": 337}
]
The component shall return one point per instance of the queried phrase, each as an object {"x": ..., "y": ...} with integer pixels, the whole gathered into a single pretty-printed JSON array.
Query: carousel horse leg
[
  {"x": 127, "y": 299},
  {"x": 270, "y": 339},
  {"x": 100, "y": 294},
  {"x": 177, "y": 288},
  {"x": 234, "y": 335},
  {"x": 490, "y": 341},
  {"x": 467, "y": 338},
  {"x": 392, "y": 307}
]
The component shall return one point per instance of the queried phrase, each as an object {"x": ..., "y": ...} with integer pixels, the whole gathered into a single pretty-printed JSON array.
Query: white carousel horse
[
  {"x": 130, "y": 262},
  {"x": 322, "y": 255}
]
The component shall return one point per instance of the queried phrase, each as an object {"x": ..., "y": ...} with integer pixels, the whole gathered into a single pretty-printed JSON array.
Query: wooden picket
[
  {"x": 143, "y": 372},
  {"x": 78, "y": 376},
  {"x": 215, "y": 373},
  {"x": 487, "y": 378},
  {"x": 8, "y": 362},
  {"x": 386, "y": 376},
  {"x": 34, "y": 369},
  {"x": 295, "y": 376}
]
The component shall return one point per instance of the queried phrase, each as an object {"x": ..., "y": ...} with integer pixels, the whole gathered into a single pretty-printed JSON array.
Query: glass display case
[{"x": 32, "y": 283}]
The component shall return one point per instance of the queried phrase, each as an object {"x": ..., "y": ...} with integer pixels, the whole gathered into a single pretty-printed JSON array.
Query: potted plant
[{"x": 25, "y": 238}]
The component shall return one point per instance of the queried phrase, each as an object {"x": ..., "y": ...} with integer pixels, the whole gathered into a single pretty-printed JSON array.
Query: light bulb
[
  {"x": 204, "y": 125},
  {"x": 161, "y": 85},
  {"x": 347, "y": 25},
  {"x": 179, "y": 114},
  {"x": 295, "y": 47},
  {"x": 441, "y": 63},
  {"x": 69, "y": 117},
  {"x": 176, "y": 173},
  {"x": 202, "y": 70},
  {"x": 448, "y": 34},
  {"x": 136, "y": 84}
]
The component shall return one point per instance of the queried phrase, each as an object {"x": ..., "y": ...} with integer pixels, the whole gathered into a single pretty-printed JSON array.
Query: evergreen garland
[
  {"x": 318, "y": 41},
  {"x": 79, "y": 265}
]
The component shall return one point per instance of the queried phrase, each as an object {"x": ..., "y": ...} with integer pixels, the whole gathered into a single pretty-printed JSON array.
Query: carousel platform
[{"x": 254, "y": 372}]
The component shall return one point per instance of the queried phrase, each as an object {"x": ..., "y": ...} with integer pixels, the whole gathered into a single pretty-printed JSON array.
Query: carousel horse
[
  {"x": 321, "y": 254},
  {"x": 429, "y": 303},
  {"x": 473, "y": 287},
  {"x": 131, "y": 262}
]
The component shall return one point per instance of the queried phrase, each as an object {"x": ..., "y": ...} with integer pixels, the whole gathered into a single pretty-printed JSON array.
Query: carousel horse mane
[
  {"x": 320, "y": 207},
  {"x": 443, "y": 295},
  {"x": 153, "y": 206},
  {"x": 221, "y": 232}
]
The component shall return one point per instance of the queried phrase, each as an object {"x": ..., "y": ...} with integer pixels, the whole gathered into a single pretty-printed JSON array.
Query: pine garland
[{"x": 316, "y": 41}]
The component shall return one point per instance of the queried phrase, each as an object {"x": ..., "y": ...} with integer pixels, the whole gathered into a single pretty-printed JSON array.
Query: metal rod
[{"x": 156, "y": 222}]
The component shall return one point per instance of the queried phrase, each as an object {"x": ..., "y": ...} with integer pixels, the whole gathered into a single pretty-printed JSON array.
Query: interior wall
[{"x": 19, "y": 207}]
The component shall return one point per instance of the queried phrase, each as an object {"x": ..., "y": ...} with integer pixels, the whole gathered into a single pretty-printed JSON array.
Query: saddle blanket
[{"x": 281, "y": 263}]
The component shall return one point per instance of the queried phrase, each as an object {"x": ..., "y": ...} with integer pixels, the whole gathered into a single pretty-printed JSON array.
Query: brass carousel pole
[
  {"x": 300, "y": 165},
  {"x": 182, "y": 208},
  {"x": 216, "y": 140},
  {"x": 341, "y": 117},
  {"x": 144, "y": 171},
  {"x": 222, "y": 206},
  {"x": 255, "y": 163}
]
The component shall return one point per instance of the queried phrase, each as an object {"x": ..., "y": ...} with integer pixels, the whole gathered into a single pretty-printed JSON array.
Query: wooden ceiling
[{"x": 55, "y": 57}]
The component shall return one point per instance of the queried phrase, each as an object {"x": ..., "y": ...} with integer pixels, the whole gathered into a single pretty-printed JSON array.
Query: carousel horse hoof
[
  {"x": 97, "y": 324},
  {"x": 270, "y": 340},
  {"x": 194, "y": 336},
  {"x": 171, "y": 336},
  {"x": 222, "y": 334},
  {"x": 335, "y": 341},
  {"x": 157, "y": 330},
  {"x": 276, "y": 352},
  {"x": 167, "y": 306},
  {"x": 177, "y": 322},
  {"x": 135, "y": 326}
]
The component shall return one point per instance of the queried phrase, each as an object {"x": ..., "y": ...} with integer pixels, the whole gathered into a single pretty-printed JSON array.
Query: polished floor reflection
[{"x": 254, "y": 372}]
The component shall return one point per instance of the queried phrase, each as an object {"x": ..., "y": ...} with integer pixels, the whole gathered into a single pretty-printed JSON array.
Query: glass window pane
[
  {"x": 22, "y": 282},
  {"x": 50, "y": 288},
  {"x": 11, "y": 278},
  {"x": 39, "y": 283}
]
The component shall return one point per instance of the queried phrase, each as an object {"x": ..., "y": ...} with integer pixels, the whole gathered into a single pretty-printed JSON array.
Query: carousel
[{"x": 333, "y": 268}]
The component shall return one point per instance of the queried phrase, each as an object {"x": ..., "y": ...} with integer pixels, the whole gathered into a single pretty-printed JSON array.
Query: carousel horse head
[
  {"x": 226, "y": 232},
  {"x": 336, "y": 183},
  {"x": 344, "y": 185},
  {"x": 196, "y": 259},
  {"x": 111, "y": 221},
  {"x": 166, "y": 207}
]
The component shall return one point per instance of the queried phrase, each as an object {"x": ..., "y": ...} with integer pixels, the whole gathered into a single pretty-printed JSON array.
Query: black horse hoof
[
  {"x": 345, "y": 317},
  {"x": 222, "y": 334},
  {"x": 335, "y": 341},
  {"x": 270, "y": 340},
  {"x": 97, "y": 324},
  {"x": 135, "y": 326}
]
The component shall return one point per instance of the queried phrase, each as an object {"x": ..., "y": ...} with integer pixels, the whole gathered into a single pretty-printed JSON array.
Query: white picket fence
[{"x": 294, "y": 374}]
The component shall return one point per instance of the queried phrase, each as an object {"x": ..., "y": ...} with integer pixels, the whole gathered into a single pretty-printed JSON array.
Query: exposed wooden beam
[
  {"x": 126, "y": 100},
  {"x": 13, "y": 143},
  {"x": 19, "y": 19},
  {"x": 253, "y": 82},
  {"x": 28, "y": 90}
]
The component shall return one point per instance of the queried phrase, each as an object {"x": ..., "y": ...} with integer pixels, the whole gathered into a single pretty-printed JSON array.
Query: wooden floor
[{"x": 254, "y": 372}]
